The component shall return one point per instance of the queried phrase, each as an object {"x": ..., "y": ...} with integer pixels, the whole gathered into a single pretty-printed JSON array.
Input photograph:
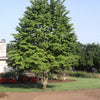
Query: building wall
[
  {"x": 3, "y": 66},
  {"x": 3, "y": 59},
  {"x": 2, "y": 49}
]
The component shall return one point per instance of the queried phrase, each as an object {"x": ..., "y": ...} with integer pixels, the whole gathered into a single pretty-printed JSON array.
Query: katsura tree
[{"x": 44, "y": 35}]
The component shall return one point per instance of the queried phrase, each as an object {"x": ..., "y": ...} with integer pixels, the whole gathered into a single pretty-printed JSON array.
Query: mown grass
[{"x": 80, "y": 83}]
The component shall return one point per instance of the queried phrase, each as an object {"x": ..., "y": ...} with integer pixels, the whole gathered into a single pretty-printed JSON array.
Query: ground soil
[{"x": 89, "y": 94}]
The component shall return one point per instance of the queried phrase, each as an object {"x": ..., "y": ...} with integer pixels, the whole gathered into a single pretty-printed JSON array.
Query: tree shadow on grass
[{"x": 26, "y": 85}]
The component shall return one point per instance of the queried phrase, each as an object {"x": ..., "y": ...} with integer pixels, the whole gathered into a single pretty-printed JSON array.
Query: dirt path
[{"x": 90, "y": 94}]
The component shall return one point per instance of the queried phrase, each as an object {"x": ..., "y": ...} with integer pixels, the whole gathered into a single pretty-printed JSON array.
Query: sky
[{"x": 85, "y": 16}]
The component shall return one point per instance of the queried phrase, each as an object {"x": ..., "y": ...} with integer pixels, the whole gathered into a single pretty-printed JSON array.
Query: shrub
[
  {"x": 3, "y": 80},
  {"x": 81, "y": 74},
  {"x": 33, "y": 80},
  {"x": 12, "y": 81},
  {"x": 50, "y": 76},
  {"x": 8, "y": 75},
  {"x": 24, "y": 79}
]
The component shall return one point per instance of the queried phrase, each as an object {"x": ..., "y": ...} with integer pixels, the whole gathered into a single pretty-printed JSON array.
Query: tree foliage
[
  {"x": 89, "y": 57},
  {"x": 45, "y": 39}
]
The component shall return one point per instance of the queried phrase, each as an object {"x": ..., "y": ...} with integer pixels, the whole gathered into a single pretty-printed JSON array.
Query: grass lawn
[{"x": 80, "y": 83}]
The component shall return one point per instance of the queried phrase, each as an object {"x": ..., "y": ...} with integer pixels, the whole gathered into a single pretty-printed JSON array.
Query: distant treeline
[{"x": 89, "y": 57}]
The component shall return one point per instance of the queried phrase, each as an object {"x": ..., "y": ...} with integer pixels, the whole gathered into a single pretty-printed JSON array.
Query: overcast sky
[{"x": 85, "y": 15}]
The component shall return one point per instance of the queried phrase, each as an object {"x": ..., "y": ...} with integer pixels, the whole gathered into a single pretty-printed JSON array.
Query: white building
[{"x": 3, "y": 58}]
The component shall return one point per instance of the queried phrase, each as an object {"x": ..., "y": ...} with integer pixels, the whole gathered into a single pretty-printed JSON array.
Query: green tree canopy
[
  {"x": 45, "y": 37},
  {"x": 89, "y": 57}
]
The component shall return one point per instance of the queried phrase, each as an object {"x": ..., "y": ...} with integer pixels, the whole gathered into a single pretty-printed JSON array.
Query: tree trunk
[
  {"x": 64, "y": 75},
  {"x": 17, "y": 77},
  {"x": 45, "y": 80},
  {"x": 37, "y": 76},
  {"x": 44, "y": 84}
]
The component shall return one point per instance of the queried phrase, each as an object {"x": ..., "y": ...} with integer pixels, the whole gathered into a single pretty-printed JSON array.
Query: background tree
[
  {"x": 96, "y": 60},
  {"x": 89, "y": 57}
]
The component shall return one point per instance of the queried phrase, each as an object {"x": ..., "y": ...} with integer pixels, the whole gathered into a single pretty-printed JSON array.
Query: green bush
[
  {"x": 81, "y": 74},
  {"x": 50, "y": 76},
  {"x": 8, "y": 75}
]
